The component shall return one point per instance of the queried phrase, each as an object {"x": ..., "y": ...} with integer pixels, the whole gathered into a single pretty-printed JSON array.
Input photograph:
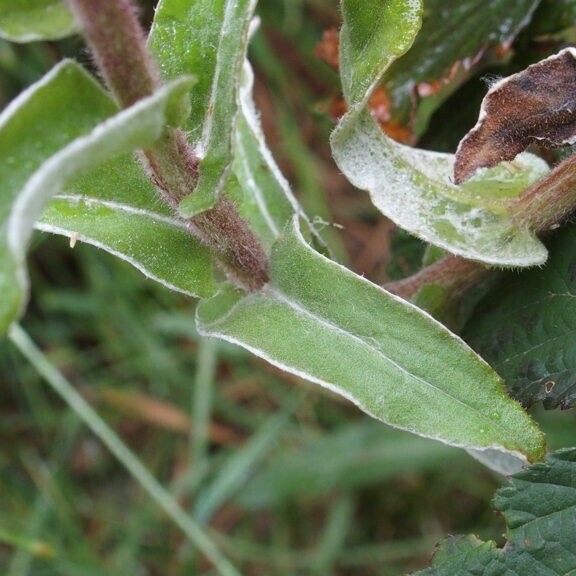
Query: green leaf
[
  {"x": 31, "y": 20},
  {"x": 413, "y": 187},
  {"x": 553, "y": 16},
  {"x": 259, "y": 189},
  {"x": 455, "y": 38},
  {"x": 526, "y": 329},
  {"x": 61, "y": 126},
  {"x": 322, "y": 322},
  {"x": 539, "y": 506},
  {"x": 209, "y": 39},
  {"x": 373, "y": 35},
  {"x": 123, "y": 216}
]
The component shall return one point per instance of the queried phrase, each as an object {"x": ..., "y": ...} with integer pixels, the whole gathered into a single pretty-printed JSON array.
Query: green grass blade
[{"x": 125, "y": 456}]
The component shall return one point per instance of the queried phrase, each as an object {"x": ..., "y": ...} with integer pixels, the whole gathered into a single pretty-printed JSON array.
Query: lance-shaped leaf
[
  {"x": 259, "y": 189},
  {"x": 324, "y": 323},
  {"x": 73, "y": 125},
  {"x": 116, "y": 208},
  {"x": 206, "y": 38},
  {"x": 410, "y": 186},
  {"x": 31, "y": 20},
  {"x": 526, "y": 329},
  {"x": 539, "y": 506},
  {"x": 537, "y": 104}
]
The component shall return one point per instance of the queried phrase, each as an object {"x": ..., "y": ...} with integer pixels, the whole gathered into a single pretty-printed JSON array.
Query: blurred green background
[{"x": 288, "y": 479}]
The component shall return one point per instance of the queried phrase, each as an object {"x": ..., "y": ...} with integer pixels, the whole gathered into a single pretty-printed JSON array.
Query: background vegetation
[{"x": 288, "y": 479}]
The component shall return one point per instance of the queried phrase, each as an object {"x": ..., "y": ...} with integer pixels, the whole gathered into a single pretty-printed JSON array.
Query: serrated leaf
[
  {"x": 410, "y": 186},
  {"x": 208, "y": 39},
  {"x": 61, "y": 126},
  {"x": 322, "y": 322},
  {"x": 539, "y": 506},
  {"x": 526, "y": 329},
  {"x": 31, "y": 20},
  {"x": 454, "y": 38}
]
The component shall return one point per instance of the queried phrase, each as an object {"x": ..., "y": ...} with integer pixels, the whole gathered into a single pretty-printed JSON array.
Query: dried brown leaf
[
  {"x": 328, "y": 48},
  {"x": 537, "y": 104},
  {"x": 158, "y": 413}
]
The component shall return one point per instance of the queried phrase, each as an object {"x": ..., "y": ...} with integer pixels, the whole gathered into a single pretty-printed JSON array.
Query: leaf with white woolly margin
[
  {"x": 322, "y": 322},
  {"x": 208, "y": 39},
  {"x": 116, "y": 208},
  {"x": 410, "y": 186},
  {"x": 33, "y": 20},
  {"x": 260, "y": 191},
  {"x": 59, "y": 127}
]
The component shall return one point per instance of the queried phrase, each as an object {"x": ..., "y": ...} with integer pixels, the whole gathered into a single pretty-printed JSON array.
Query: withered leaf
[{"x": 537, "y": 104}]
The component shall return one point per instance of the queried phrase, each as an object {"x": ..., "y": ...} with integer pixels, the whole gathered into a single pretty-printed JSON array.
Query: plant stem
[
  {"x": 451, "y": 272},
  {"x": 117, "y": 41},
  {"x": 112, "y": 30},
  {"x": 542, "y": 206},
  {"x": 124, "y": 455}
]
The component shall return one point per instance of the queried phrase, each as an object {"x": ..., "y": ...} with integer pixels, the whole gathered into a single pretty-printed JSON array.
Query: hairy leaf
[
  {"x": 31, "y": 20},
  {"x": 73, "y": 125},
  {"x": 526, "y": 329},
  {"x": 207, "y": 38},
  {"x": 454, "y": 40},
  {"x": 114, "y": 207},
  {"x": 539, "y": 506},
  {"x": 411, "y": 186},
  {"x": 324, "y": 323},
  {"x": 259, "y": 189},
  {"x": 537, "y": 104}
]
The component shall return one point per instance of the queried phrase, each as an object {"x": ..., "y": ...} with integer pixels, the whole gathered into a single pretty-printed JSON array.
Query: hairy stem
[
  {"x": 544, "y": 205},
  {"x": 117, "y": 41},
  {"x": 119, "y": 47},
  {"x": 451, "y": 272}
]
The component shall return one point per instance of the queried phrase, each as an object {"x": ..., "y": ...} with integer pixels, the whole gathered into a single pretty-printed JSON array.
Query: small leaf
[
  {"x": 537, "y": 104},
  {"x": 410, "y": 186},
  {"x": 31, "y": 20},
  {"x": 208, "y": 39},
  {"x": 73, "y": 125},
  {"x": 526, "y": 329},
  {"x": 324, "y": 323},
  {"x": 159, "y": 246},
  {"x": 539, "y": 506}
]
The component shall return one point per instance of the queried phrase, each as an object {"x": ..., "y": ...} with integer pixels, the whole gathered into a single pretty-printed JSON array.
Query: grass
[{"x": 173, "y": 441}]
